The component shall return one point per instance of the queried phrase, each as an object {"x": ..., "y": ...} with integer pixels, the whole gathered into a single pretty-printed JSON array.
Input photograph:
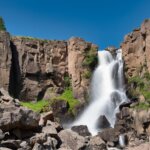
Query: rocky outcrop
[
  {"x": 13, "y": 116},
  {"x": 33, "y": 69},
  {"x": 136, "y": 54},
  {"x": 42, "y": 65},
  {"x": 77, "y": 51},
  {"x": 23, "y": 129},
  {"x": 5, "y": 59},
  {"x": 136, "y": 51}
]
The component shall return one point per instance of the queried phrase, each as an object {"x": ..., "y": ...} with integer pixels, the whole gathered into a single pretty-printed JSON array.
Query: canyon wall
[
  {"x": 136, "y": 51},
  {"x": 34, "y": 69},
  {"x": 5, "y": 59}
]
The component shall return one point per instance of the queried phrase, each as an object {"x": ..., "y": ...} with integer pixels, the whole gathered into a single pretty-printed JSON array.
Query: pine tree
[{"x": 2, "y": 25}]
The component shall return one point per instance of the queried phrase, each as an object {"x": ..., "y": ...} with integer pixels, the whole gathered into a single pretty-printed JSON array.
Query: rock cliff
[
  {"x": 33, "y": 69},
  {"x": 136, "y": 51},
  {"x": 5, "y": 59}
]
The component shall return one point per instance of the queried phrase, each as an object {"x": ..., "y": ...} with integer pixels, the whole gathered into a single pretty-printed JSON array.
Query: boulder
[
  {"x": 25, "y": 146},
  {"x": 45, "y": 117},
  {"x": 21, "y": 134},
  {"x": 71, "y": 139},
  {"x": 56, "y": 125},
  {"x": 141, "y": 120},
  {"x": 60, "y": 110},
  {"x": 37, "y": 146},
  {"x": 17, "y": 117},
  {"x": 109, "y": 135},
  {"x": 60, "y": 107},
  {"x": 12, "y": 144},
  {"x": 38, "y": 138},
  {"x": 49, "y": 130},
  {"x": 2, "y": 135},
  {"x": 4, "y": 148},
  {"x": 102, "y": 122},
  {"x": 96, "y": 143},
  {"x": 144, "y": 146},
  {"x": 81, "y": 130}
]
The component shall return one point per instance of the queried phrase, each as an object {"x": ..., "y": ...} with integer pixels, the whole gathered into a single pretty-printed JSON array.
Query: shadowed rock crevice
[{"x": 15, "y": 83}]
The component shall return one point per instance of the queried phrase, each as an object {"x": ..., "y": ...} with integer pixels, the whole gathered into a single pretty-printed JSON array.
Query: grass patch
[
  {"x": 36, "y": 106},
  {"x": 67, "y": 95},
  {"x": 142, "y": 106},
  {"x": 43, "y": 105}
]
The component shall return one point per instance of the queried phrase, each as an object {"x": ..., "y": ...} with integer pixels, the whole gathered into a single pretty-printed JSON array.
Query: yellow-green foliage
[
  {"x": 87, "y": 74},
  {"x": 67, "y": 95},
  {"x": 42, "y": 105},
  {"x": 143, "y": 106},
  {"x": 36, "y": 106},
  {"x": 90, "y": 58},
  {"x": 141, "y": 87}
]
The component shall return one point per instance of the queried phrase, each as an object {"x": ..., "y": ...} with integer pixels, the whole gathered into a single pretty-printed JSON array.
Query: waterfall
[{"x": 107, "y": 92}]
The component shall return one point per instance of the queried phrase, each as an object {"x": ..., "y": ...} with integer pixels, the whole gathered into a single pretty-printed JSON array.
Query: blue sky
[{"x": 103, "y": 22}]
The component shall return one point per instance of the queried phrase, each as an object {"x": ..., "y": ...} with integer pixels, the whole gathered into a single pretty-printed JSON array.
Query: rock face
[
  {"x": 42, "y": 64},
  {"x": 77, "y": 49},
  {"x": 14, "y": 116},
  {"x": 32, "y": 69},
  {"x": 5, "y": 59},
  {"x": 136, "y": 50}
]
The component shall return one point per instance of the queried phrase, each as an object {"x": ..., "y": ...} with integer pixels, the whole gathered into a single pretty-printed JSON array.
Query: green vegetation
[
  {"x": 87, "y": 74},
  {"x": 90, "y": 62},
  {"x": 141, "y": 86},
  {"x": 90, "y": 59},
  {"x": 32, "y": 38},
  {"x": 36, "y": 106},
  {"x": 2, "y": 25},
  {"x": 143, "y": 106},
  {"x": 67, "y": 81},
  {"x": 67, "y": 95},
  {"x": 43, "y": 105}
]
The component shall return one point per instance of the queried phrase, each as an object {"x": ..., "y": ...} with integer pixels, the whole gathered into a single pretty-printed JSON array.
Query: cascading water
[{"x": 107, "y": 91}]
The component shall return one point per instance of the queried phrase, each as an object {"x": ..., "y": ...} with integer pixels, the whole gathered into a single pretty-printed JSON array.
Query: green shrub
[
  {"x": 87, "y": 74},
  {"x": 147, "y": 75},
  {"x": 141, "y": 87},
  {"x": 68, "y": 96},
  {"x": 142, "y": 106},
  {"x": 67, "y": 81},
  {"x": 36, "y": 106},
  {"x": 2, "y": 25},
  {"x": 91, "y": 59}
]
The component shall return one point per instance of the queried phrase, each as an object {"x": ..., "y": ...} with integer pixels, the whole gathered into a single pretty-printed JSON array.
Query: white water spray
[{"x": 107, "y": 92}]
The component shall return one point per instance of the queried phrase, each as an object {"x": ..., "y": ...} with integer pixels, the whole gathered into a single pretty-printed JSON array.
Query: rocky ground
[{"x": 23, "y": 129}]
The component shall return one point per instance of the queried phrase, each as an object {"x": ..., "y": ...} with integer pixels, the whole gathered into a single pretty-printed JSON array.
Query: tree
[{"x": 2, "y": 25}]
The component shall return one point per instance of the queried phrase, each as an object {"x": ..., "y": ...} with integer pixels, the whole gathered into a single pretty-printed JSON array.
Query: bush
[
  {"x": 90, "y": 60},
  {"x": 87, "y": 74},
  {"x": 142, "y": 106},
  {"x": 141, "y": 87},
  {"x": 67, "y": 95},
  {"x": 2, "y": 25},
  {"x": 67, "y": 81}
]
